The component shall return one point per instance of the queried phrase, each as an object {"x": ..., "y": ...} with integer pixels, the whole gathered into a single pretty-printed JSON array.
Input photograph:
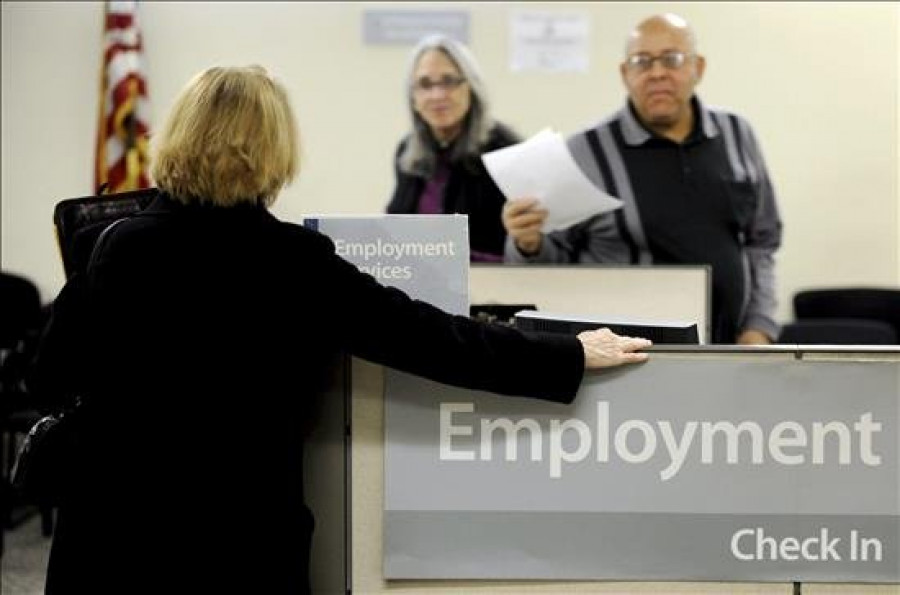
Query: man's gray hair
[{"x": 419, "y": 155}]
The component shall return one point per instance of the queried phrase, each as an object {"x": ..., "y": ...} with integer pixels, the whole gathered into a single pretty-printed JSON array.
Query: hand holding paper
[
  {"x": 524, "y": 219},
  {"x": 543, "y": 168}
]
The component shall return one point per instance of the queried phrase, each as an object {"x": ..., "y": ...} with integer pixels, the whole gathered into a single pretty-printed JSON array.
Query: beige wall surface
[{"x": 819, "y": 81}]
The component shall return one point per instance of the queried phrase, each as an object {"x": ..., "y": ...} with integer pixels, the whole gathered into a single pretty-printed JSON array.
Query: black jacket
[
  {"x": 201, "y": 336},
  {"x": 470, "y": 191}
]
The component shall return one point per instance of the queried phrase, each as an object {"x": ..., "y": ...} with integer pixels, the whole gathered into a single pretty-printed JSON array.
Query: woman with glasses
[{"x": 438, "y": 164}]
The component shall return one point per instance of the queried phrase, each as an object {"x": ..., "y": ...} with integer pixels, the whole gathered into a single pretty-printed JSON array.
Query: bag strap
[
  {"x": 78, "y": 400},
  {"x": 102, "y": 239}
]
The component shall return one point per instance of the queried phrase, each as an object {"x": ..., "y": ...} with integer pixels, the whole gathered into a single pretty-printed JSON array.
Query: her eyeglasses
[
  {"x": 644, "y": 62},
  {"x": 445, "y": 83}
]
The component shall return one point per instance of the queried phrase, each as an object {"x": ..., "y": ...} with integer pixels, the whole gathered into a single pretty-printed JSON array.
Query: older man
[{"x": 692, "y": 179}]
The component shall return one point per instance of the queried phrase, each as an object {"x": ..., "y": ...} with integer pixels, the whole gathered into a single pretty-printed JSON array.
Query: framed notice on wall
[{"x": 544, "y": 41}]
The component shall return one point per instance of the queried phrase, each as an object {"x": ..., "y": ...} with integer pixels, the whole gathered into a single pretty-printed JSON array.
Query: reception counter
[
  {"x": 784, "y": 366},
  {"x": 708, "y": 469}
]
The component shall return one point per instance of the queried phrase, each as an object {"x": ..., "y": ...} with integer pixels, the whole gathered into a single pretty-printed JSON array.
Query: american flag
[{"x": 122, "y": 142}]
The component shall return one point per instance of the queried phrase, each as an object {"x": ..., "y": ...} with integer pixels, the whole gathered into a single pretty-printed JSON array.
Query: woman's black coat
[{"x": 200, "y": 337}]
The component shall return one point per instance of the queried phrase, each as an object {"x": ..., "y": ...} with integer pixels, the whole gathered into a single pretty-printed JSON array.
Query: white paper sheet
[{"x": 543, "y": 168}]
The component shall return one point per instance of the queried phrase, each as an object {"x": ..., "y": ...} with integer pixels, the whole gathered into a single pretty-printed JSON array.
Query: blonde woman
[{"x": 199, "y": 337}]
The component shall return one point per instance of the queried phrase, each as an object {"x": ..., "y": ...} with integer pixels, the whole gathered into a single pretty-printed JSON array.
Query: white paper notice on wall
[{"x": 544, "y": 41}]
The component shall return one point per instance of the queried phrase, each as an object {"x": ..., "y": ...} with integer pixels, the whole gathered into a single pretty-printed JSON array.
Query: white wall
[{"x": 819, "y": 81}]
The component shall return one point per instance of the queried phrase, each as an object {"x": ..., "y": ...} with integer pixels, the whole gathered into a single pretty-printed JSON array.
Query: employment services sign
[
  {"x": 688, "y": 467},
  {"x": 426, "y": 256}
]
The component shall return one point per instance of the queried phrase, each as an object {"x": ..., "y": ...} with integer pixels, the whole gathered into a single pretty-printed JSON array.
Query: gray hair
[{"x": 419, "y": 155}]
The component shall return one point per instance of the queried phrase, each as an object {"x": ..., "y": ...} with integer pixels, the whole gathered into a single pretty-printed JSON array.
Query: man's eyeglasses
[
  {"x": 445, "y": 83},
  {"x": 644, "y": 62}
]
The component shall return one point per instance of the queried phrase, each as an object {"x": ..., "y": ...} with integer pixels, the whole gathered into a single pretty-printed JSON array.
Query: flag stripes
[{"x": 122, "y": 137}]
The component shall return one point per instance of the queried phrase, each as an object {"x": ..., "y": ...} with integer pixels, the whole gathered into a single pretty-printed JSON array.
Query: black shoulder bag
[{"x": 41, "y": 462}]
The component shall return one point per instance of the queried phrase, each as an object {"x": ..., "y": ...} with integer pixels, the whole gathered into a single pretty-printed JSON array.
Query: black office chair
[
  {"x": 881, "y": 304},
  {"x": 79, "y": 222},
  {"x": 838, "y": 331},
  {"x": 21, "y": 319}
]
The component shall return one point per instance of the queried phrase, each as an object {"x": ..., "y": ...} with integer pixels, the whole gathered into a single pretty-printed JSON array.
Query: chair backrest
[
  {"x": 21, "y": 319},
  {"x": 21, "y": 309},
  {"x": 838, "y": 331},
  {"x": 79, "y": 222},
  {"x": 850, "y": 302}
]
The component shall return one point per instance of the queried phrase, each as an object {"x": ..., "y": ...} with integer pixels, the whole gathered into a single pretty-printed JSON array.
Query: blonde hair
[{"x": 230, "y": 138}]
